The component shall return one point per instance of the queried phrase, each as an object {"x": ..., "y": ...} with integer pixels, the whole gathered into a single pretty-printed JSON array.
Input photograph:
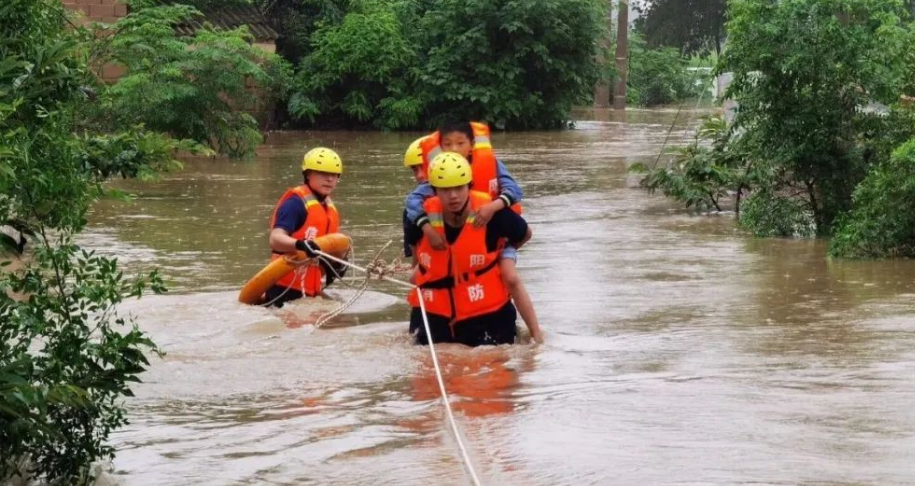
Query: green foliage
[
  {"x": 882, "y": 223},
  {"x": 297, "y": 20},
  {"x": 67, "y": 362},
  {"x": 208, "y": 4},
  {"x": 191, "y": 87},
  {"x": 514, "y": 64},
  {"x": 67, "y": 358},
  {"x": 823, "y": 137},
  {"x": 359, "y": 70},
  {"x": 803, "y": 71},
  {"x": 659, "y": 76},
  {"x": 767, "y": 214},
  {"x": 809, "y": 78},
  {"x": 700, "y": 174},
  {"x": 41, "y": 66},
  {"x": 397, "y": 64},
  {"x": 690, "y": 26}
]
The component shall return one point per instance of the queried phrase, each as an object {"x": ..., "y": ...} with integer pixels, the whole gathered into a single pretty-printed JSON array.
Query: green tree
[
  {"x": 297, "y": 20},
  {"x": 360, "y": 71},
  {"x": 691, "y": 26},
  {"x": 67, "y": 358},
  {"x": 822, "y": 138},
  {"x": 514, "y": 64},
  {"x": 397, "y": 64},
  {"x": 804, "y": 73},
  {"x": 882, "y": 223},
  {"x": 191, "y": 87},
  {"x": 659, "y": 76}
]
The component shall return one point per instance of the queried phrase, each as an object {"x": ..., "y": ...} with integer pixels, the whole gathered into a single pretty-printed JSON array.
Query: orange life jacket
[
  {"x": 321, "y": 220},
  {"x": 463, "y": 280},
  {"x": 482, "y": 160}
]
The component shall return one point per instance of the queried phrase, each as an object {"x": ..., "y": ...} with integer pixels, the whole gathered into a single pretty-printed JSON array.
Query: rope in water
[
  {"x": 376, "y": 267},
  {"x": 381, "y": 273}
]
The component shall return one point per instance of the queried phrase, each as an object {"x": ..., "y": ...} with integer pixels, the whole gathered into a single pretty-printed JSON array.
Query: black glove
[{"x": 308, "y": 246}]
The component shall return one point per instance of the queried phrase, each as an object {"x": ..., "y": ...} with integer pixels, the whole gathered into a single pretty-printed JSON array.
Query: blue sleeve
[
  {"x": 414, "y": 202},
  {"x": 507, "y": 185},
  {"x": 291, "y": 216}
]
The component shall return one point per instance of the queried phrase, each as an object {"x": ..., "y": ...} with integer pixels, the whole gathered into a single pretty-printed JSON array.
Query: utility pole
[
  {"x": 622, "y": 55},
  {"x": 602, "y": 88}
]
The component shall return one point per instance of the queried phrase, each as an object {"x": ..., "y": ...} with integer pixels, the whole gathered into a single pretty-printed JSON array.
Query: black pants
[
  {"x": 273, "y": 295},
  {"x": 489, "y": 329}
]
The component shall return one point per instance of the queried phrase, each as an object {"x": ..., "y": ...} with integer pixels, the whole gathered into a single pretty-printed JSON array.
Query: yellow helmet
[
  {"x": 414, "y": 154},
  {"x": 449, "y": 169},
  {"x": 322, "y": 160}
]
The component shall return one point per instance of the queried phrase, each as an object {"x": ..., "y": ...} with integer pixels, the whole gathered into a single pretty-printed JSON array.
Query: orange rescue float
[{"x": 336, "y": 244}]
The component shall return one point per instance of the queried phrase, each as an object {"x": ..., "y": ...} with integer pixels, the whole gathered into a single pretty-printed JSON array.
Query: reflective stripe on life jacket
[
  {"x": 482, "y": 160},
  {"x": 464, "y": 280}
]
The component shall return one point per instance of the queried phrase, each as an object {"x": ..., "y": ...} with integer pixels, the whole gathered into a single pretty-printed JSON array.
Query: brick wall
[
  {"x": 98, "y": 10},
  {"x": 107, "y": 11}
]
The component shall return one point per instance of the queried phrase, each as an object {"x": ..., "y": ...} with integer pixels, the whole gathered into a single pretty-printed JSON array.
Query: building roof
[{"x": 231, "y": 17}]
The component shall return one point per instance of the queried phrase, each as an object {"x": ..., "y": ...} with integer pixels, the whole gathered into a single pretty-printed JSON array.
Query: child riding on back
[{"x": 471, "y": 140}]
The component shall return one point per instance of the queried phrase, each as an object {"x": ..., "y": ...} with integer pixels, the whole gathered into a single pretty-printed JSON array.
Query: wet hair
[{"x": 456, "y": 126}]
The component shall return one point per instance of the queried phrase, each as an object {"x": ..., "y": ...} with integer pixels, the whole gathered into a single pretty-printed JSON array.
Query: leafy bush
[
  {"x": 67, "y": 358},
  {"x": 658, "y": 76},
  {"x": 701, "y": 173},
  {"x": 882, "y": 223},
  {"x": 359, "y": 70},
  {"x": 767, "y": 214},
  {"x": 398, "y": 65},
  {"x": 191, "y": 87}
]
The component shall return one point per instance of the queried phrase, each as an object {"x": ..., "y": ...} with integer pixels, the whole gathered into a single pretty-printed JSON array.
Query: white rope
[
  {"x": 350, "y": 257},
  {"x": 441, "y": 387},
  {"x": 300, "y": 265},
  {"x": 438, "y": 371},
  {"x": 342, "y": 307},
  {"x": 364, "y": 270},
  {"x": 356, "y": 295}
]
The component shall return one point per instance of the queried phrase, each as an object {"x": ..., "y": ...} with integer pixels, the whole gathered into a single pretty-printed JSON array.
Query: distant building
[
  {"x": 228, "y": 17},
  {"x": 221, "y": 17},
  {"x": 232, "y": 17}
]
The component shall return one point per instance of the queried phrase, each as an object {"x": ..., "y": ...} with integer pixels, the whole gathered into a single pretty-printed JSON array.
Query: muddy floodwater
[{"x": 679, "y": 350}]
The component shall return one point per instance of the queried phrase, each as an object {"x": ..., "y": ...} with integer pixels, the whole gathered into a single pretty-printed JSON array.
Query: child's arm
[
  {"x": 414, "y": 203},
  {"x": 511, "y": 193},
  {"x": 507, "y": 184},
  {"x": 416, "y": 214}
]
